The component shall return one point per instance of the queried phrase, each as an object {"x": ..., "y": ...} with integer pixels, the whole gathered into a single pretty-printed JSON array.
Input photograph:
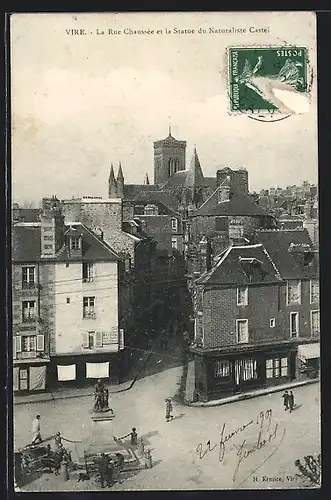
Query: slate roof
[
  {"x": 26, "y": 214},
  {"x": 155, "y": 196},
  {"x": 163, "y": 209},
  {"x": 177, "y": 179},
  {"x": 241, "y": 265},
  {"x": 26, "y": 245},
  {"x": 237, "y": 205},
  {"x": 133, "y": 190},
  {"x": 283, "y": 247},
  {"x": 169, "y": 141}
]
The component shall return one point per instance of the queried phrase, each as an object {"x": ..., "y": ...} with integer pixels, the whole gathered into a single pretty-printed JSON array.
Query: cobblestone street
[{"x": 174, "y": 445}]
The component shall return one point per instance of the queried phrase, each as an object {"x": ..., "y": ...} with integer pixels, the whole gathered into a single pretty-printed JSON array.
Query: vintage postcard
[{"x": 165, "y": 251}]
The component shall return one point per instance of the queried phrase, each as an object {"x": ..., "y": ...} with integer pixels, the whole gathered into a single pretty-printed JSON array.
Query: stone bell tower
[{"x": 169, "y": 158}]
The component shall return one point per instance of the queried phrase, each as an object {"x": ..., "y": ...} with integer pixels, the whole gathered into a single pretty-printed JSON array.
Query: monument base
[{"x": 102, "y": 428}]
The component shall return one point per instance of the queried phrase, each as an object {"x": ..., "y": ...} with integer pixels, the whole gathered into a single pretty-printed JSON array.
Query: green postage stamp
[{"x": 267, "y": 79}]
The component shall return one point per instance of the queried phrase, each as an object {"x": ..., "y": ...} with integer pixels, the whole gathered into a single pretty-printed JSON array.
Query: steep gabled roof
[
  {"x": 237, "y": 205},
  {"x": 177, "y": 179},
  {"x": 163, "y": 209},
  {"x": 155, "y": 196},
  {"x": 242, "y": 265},
  {"x": 285, "y": 247},
  {"x": 133, "y": 190},
  {"x": 26, "y": 244}
]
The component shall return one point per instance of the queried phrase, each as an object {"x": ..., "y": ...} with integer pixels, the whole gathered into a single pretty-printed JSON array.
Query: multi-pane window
[
  {"x": 92, "y": 339},
  {"x": 87, "y": 272},
  {"x": 28, "y": 311},
  {"x": 245, "y": 369},
  {"x": 276, "y": 367},
  {"x": 242, "y": 330},
  {"x": 174, "y": 224},
  {"x": 294, "y": 292},
  {"x": 28, "y": 276},
  {"x": 221, "y": 368},
  {"x": 174, "y": 243},
  {"x": 315, "y": 322},
  {"x": 89, "y": 307},
  {"x": 29, "y": 343},
  {"x": 242, "y": 296},
  {"x": 294, "y": 324},
  {"x": 314, "y": 291},
  {"x": 75, "y": 242}
]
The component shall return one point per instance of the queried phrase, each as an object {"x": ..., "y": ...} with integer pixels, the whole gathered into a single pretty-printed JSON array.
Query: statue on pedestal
[{"x": 101, "y": 395}]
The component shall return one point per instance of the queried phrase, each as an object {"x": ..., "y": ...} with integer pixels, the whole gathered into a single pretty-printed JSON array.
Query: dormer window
[
  {"x": 75, "y": 243},
  {"x": 174, "y": 224},
  {"x": 293, "y": 292}
]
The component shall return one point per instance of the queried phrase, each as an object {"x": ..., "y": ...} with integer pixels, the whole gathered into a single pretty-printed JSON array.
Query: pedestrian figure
[
  {"x": 134, "y": 436},
  {"x": 103, "y": 470},
  {"x": 65, "y": 466},
  {"x": 118, "y": 466},
  {"x": 58, "y": 441},
  {"x": 285, "y": 397},
  {"x": 36, "y": 436},
  {"x": 168, "y": 410},
  {"x": 57, "y": 460},
  {"x": 291, "y": 401}
]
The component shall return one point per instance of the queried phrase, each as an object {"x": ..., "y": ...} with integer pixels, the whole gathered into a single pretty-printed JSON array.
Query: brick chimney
[{"x": 52, "y": 227}]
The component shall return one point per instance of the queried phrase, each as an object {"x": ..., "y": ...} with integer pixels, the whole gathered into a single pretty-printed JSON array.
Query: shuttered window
[
  {"x": 86, "y": 340},
  {"x": 121, "y": 338},
  {"x": 40, "y": 342},
  {"x": 98, "y": 339}
]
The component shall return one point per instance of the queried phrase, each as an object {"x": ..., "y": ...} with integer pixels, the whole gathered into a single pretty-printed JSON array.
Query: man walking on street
[
  {"x": 36, "y": 436},
  {"x": 285, "y": 397},
  {"x": 291, "y": 401},
  {"x": 168, "y": 410}
]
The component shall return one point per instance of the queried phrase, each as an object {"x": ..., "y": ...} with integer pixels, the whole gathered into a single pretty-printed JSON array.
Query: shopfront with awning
[
  {"x": 308, "y": 351},
  {"x": 309, "y": 360}
]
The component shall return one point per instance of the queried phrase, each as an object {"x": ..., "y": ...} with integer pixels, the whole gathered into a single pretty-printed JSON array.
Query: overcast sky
[{"x": 82, "y": 102}]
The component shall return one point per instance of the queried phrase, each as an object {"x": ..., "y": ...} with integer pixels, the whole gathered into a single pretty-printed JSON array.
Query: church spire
[
  {"x": 120, "y": 182},
  {"x": 111, "y": 173},
  {"x": 194, "y": 174},
  {"x": 112, "y": 186},
  {"x": 120, "y": 176},
  {"x": 146, "y": 180}
]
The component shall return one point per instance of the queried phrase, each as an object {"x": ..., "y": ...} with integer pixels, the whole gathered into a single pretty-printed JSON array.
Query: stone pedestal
[{"x": 102, "y": 428}]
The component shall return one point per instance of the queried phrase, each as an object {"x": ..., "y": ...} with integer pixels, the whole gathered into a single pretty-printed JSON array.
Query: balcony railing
[
  {"x": 89, "y": 315},
  {"x": 29, "y": 285},
  {"x": 29, "y": 319}
]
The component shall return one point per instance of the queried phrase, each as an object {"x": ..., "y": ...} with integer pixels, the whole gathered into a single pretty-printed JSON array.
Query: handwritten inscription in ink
[{"x": 267, "y": 433}]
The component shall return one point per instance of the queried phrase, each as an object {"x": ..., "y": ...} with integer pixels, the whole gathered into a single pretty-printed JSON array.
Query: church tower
[{"x": 169, "y": 158}]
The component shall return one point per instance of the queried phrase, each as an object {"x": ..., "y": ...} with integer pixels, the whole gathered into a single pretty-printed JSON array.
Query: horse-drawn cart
[{"x": 35, "y": 458}]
